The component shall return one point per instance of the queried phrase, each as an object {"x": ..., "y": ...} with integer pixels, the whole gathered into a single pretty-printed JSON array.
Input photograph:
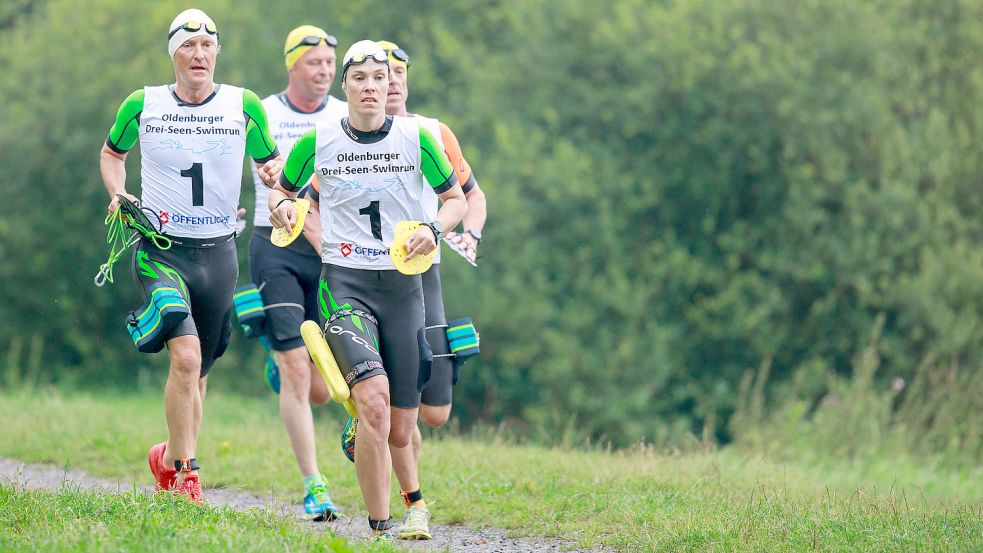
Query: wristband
[
  {"x": 283, "y": 200},
  {"x": 437, "y": 229},
  {"x": 476, "y": 234}
]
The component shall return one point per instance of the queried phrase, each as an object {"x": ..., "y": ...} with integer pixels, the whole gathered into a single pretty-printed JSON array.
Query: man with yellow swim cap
[
  {"x": 435, "y": 402},
  {"x": 288, "y": 277},
  {"x": 192, "y": 135}
]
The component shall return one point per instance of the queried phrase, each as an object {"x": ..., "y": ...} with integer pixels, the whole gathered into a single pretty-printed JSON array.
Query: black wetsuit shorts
[
  {"x": 371, "y": 320},
  {"x": 438, "y": 390},
  {"x": 205, "y": 271},
  {"x": 287, "y": 279}
]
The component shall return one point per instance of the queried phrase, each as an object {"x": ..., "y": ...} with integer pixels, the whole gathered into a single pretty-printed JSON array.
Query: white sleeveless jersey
[
  {"x": 287, "y": 125},
  {"x": 430, "y": 203},
  {"x": 365, "y": 190},
  {"x": 191, "y": 168}
]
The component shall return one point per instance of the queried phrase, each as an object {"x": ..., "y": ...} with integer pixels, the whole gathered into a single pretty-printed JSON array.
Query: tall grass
[{"x": 936, "y": 416}]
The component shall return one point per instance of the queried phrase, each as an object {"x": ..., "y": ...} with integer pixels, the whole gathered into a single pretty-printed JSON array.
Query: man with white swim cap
[{"x": 192, "y": 135}]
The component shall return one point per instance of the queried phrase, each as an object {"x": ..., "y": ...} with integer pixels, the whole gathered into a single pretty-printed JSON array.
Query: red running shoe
[
  {"x": 191, "y": 487},
  {"x": 163, "y": 475}
]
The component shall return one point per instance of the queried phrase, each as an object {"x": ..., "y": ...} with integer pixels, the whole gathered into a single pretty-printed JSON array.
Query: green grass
[
  {"x": 69, "y": 520},
  {"x": 633, "y": 501}
]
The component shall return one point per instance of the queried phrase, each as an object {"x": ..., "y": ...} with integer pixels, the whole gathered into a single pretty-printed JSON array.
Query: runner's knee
[
  {"x": 372, "y": 400},
  {"x": 400, "y": 435},
  {"x": 294, "y": 373},
  {"x": 435, "y": 416},
  {"x": 319, "y": 390},
  {"x": 185, "y": 357},
  {"x": 403, "y": 427}
]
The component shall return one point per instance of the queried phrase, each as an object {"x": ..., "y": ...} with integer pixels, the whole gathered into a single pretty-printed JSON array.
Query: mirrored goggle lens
[
  {"x": 194, "y": 27},
  {"x": 362, "y": 57},
  {"x": 314, "y": 41},
  {"x": 399, "y": 54}
]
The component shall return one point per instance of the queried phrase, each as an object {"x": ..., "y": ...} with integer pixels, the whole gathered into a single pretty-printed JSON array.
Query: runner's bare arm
[
  {"x": 282, "y": 213},
  {"x": 442, "y": 179},
  {"x": 477, "y": 209},
  {"x": 297, "y": 170},
  {"x": 259, "y": 140},
  {"x": 440, "y": 174},
  {"x": 312, "y": 224},
  {"x": 474, "y": 219},
  {"x": 122, "y": 136}
]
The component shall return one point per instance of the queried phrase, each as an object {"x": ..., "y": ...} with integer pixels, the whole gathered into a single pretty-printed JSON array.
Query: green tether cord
[{"x": 118, "y": 242}]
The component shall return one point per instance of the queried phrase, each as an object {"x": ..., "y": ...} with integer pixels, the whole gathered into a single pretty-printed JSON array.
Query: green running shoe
[
  {"x": 385, "y": 537},
  {"x": 416, "y": 524},
  {"x": 348, "y": 438}
]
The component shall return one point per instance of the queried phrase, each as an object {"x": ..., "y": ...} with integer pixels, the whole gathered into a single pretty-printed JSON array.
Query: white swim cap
[
  {"x": 361, "y": 51},
  {"x": 189, "y": 23}
]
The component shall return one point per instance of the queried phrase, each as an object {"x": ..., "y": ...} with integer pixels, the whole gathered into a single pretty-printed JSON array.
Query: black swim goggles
[
  {"x": 398, "y": 54},
  {"x": 361, "y": 58},
  {"x": 314, "y": 40},
  {"x": 194, "y": 27}
]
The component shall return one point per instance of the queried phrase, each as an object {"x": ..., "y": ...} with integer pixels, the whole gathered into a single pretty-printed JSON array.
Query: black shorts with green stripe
[
  {"x": 354, "y": 306},
  {"x": 205, "y": 271}
]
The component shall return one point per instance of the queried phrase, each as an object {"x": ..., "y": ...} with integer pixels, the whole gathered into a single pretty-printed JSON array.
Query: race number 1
[
  {"x": 375, "y": 219},
  {"x": 197, "y": 184}
]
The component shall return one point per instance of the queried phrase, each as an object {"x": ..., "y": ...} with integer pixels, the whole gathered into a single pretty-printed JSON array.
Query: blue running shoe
[
  {"x": 272, "y": 369},
  {"x": 272, "y": 374},
  {"x": 348, "y": 438},
  {"x": 318, "y": 503}
]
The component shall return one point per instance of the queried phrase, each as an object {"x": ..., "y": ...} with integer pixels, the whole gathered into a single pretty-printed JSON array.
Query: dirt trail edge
[{"x": 445, "y": 537}]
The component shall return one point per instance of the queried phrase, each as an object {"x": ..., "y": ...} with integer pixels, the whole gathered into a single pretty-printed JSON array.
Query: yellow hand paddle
[
  {"x": 398, "y": 253},
  {"x": 327, "y": 366},
  {"x": 281, "y": 236}
]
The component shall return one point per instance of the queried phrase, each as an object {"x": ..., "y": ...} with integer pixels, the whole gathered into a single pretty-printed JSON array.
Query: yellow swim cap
[
  {"x": 302, "y": 39},
  {"x": 396, "y": 54}
]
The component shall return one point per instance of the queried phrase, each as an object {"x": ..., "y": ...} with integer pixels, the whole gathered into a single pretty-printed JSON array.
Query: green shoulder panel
[
  {"x": 437, "y": 169},
  {"x": 259, "y": 140},
  {"x": 300, "y": 162},
  {"x": 126, "y": 129}
]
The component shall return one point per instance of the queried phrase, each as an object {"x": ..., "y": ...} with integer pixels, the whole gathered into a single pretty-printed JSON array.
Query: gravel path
[{"x": 446, "y": 538}]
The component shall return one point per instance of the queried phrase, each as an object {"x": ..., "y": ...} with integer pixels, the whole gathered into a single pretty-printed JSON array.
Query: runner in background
[
  {"x": 287, "y": 278},
  {"x": 435, "y": 404}
]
